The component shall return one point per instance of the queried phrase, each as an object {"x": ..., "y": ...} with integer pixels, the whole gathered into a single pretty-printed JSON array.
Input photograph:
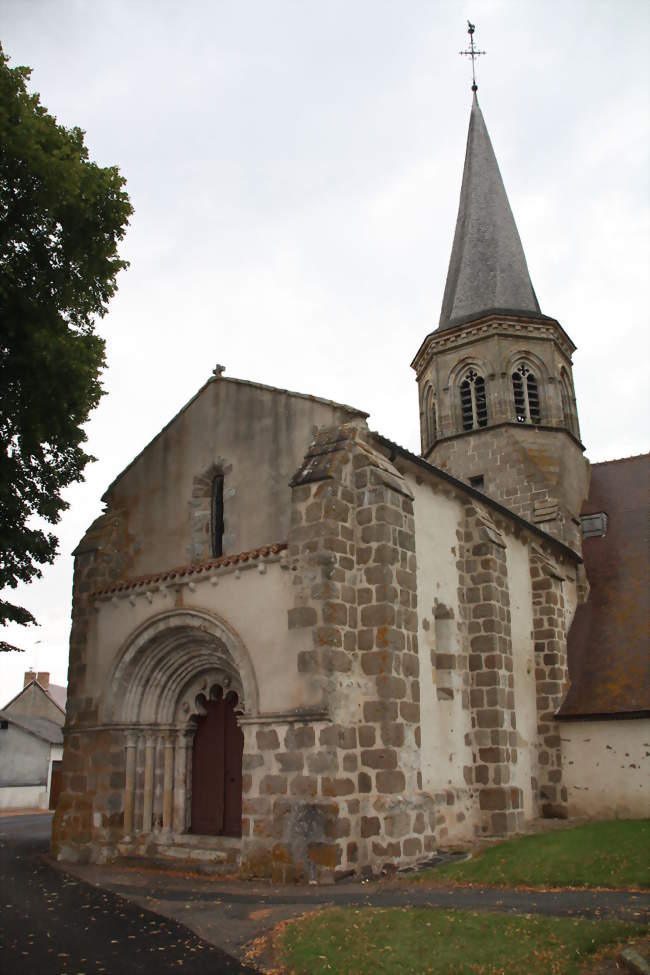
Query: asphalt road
[{"x": 55, "y": 924}]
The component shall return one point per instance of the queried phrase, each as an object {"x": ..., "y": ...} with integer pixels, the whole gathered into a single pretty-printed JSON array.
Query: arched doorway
[
  {"x": 217, "y": 768},
  {"x": 183, "y": 673}
]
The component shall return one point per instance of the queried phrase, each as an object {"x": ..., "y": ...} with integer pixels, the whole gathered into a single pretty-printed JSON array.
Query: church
[{"x": 300, "y": 651}]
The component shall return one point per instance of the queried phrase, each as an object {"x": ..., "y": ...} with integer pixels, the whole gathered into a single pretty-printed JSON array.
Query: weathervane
[{"x": 472, "y": 53}]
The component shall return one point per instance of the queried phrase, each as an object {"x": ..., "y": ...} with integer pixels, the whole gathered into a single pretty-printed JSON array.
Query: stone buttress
[{"x": 341, "y": 792}]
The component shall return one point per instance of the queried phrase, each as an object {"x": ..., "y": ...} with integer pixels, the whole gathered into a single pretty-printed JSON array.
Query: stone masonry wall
[
  {"x": 483, "y": 580},
  {"x": 344, "y": 793},
  {"x": 539, "y": 474},
  {"x": 92, "y": 789},
  {"x": 552, "y": 676}
]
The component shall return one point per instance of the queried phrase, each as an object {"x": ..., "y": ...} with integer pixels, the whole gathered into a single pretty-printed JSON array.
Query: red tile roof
[
  {"x": 197, "y": 569},
  {"x": 609, "y": 665}
]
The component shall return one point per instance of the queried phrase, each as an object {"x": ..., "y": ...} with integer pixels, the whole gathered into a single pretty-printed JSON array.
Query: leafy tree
[{"x": 61, "y": 218}]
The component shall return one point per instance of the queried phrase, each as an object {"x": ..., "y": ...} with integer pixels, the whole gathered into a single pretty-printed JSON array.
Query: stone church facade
[{"x": 299, "y": 650}]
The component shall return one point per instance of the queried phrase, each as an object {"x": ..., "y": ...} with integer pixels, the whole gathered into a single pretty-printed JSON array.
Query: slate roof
[
  {"x": 487, "y": 268},
  {"x": 39, "y": 727},
  {"x": 59, "y": 695},
  {"x": 56, "y": 693},
  {"x": 609, "y": 664}
]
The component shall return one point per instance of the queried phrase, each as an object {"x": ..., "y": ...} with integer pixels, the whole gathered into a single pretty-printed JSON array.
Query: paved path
[
  {"x": 53, "y": 923},
  {"x": 228, "y": 915}
]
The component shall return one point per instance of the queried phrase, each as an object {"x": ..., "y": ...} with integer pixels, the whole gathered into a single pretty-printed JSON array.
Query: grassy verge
[
  {"x": 419, "y": 941},
  {"x": 605, "y": 854}
]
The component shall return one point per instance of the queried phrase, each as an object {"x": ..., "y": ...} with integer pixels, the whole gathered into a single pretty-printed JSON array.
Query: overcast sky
[{"x": 295, "y": 170}]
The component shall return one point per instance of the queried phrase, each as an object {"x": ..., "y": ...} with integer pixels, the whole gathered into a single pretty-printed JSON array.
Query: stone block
[
  {"x": 367, "y": 735},
  {"x": 337, "y": 786},
  {"x": 273, "y": 785},
  {"x": 379, "y": 758},
  {"x": 380, "y": 711},
  {"x": 290, "y": 761},
  {"x": 303, "y": 785},
  {"x": 377, "y": 662},
  {"x": 412, "y": 846},
  {"x": 378, "y": 614},
  {"x": 370, "y": 826},
  {"x": 392, "y": 734},
  {"x": 390, "y": 783},
  {"x": 299, "y": 736},
  {"x": 266, "y": 740},
  {"x": 324, "y": 761}
]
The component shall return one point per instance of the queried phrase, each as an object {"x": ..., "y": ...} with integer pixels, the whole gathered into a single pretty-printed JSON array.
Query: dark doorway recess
[
  {"x": 55, "y": 783},
  {"x": 217, "y": 769}
]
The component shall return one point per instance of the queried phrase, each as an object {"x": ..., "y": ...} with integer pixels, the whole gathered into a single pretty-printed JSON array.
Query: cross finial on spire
[{"x": 472, "y": 53}]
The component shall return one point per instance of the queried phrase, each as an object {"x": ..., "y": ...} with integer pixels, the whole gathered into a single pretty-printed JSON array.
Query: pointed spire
[{"x": 487, "y": 268}]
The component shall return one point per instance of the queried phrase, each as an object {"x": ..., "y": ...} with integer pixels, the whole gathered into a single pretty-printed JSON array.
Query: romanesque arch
[{"x": 171, "y": 677}]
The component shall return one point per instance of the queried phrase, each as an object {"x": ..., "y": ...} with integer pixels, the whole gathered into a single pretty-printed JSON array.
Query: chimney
[
  {"x": 43, "y": 678},
  {"x": 30, "y": 675}
]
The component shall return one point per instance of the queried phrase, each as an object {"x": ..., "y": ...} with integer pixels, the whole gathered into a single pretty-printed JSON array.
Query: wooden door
[
  {"x": 55, "y": 783},
  {"x": 217, "y": 771}
]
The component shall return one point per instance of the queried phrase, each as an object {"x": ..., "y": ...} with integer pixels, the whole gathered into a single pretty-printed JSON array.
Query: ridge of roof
[
  {"x": 487, "y": 267},
  {"x": 619, "y": 460},
  {"x": 478, "y": 495},
  {"x": 239, "y": 382},
  {"x": 50, "y": 697}
]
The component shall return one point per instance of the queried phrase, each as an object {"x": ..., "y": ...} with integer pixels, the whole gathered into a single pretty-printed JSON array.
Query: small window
[
  {"x": 477, "y": 482},
  {"x": 216, "y": 517},
  {"x": 473, "y": 401},
  {"x": 594, "y": 526},
  {"x": 4, "y": 725},
  {"x": 526, "y": 393},
  {"x": 430, "y": 419}
]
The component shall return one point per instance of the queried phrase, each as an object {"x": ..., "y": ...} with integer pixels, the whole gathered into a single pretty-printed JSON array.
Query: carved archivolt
[{"x": 170, "y": 662}]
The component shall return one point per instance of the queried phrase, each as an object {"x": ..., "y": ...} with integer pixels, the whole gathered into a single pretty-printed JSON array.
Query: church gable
[{"x": 215, "y": 479}]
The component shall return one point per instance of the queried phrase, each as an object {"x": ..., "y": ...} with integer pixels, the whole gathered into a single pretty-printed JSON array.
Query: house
[
  {"x": 31, "y": 745},
  {"x": 603, "y": 720},
  {"x": 301, "y": 650}
]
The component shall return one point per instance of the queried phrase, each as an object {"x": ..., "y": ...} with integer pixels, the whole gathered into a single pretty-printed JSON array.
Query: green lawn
[
  {"x": 415, "y": 941},
  {"x": 604, "y": 854}
]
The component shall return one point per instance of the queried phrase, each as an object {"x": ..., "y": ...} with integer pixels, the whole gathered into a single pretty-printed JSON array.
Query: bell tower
[{"x": 497, "y": 404}]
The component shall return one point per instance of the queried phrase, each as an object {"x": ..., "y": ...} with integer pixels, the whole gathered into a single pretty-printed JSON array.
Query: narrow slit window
[
  {"x": 430, "y": 425},
  {"x": 526, "y": 395},
  {"x": 216, "y": 517},
  {"x": 473, "y": 401}
]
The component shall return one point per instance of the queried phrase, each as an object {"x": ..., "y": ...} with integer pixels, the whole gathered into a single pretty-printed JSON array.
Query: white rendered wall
[
  {"x": 607, "y": 768},
  {"x": 253, "y": 604},
  {"x": 23, "y": 797},
  {"x": 523, "y": 653},
  {"x": 444, "y": 722}
]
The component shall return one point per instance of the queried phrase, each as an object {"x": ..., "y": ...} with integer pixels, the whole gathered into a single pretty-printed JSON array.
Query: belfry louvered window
[
  {"x": 524, "y": 387},
  {"x": 473, "y": 401}
]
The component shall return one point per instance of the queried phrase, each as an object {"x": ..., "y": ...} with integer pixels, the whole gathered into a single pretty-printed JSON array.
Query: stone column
[
  {"x": 183, "y": 743},
  {"x": 168, "y": 784},
  {"x": 147, "y": 808},
  {"x": 129, "y": 784}
]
